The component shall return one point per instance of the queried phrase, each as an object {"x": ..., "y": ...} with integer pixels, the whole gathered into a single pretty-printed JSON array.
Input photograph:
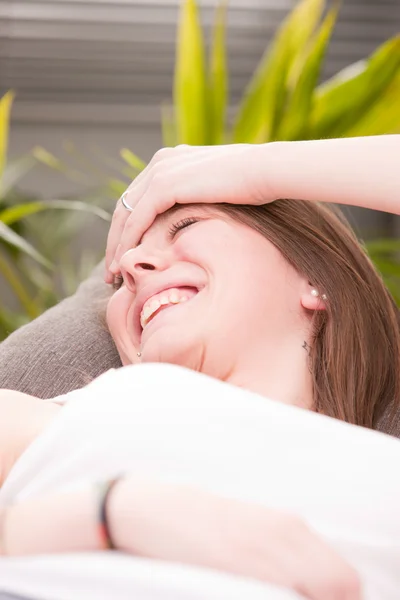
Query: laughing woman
[{"x": 243, "y": 451}]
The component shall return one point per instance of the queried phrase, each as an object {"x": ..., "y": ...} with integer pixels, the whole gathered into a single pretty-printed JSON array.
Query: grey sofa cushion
[
  {"x": 390, "y": 423},
  {"x": 65, "y": 348},
  {"x": 69, "y": 345}
]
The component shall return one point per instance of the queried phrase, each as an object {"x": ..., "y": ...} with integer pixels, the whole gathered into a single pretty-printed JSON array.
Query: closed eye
[{"x": 173, "y": 230}]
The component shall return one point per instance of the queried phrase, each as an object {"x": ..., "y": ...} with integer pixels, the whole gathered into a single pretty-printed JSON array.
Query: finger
[
  {"x": 124, "y": 234},
  {"x": 121, "y": 215},
  {"x": 164, "y": 164},
  {"x": 325, "y": 574},
  {"x": 132, "y": 194},
  {"x": 138, "y": 188},
  {"x": 139, "y": 222},
  {"x": 162, "y": 157},
  {"x": 116, "y": 228},
  {"x": 314, "y": 568}
]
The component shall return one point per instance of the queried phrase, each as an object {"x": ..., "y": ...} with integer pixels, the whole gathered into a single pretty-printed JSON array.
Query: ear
[{"x": 311, "y": 299}]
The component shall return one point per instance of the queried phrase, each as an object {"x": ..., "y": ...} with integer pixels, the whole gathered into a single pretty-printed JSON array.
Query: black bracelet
[{"x": 104, "y": 490}]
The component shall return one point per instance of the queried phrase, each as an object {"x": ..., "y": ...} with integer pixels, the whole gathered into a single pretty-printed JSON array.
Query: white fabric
[{"x": 181, "y": 426}]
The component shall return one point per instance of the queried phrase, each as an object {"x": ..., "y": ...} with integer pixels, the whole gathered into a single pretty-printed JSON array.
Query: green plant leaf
[
  {"x": 115, "y": 188},
  {"x": 13, "y": 239},
  {"x": 11, "y": 215},
  {"x": 54, "y": 163},
  {"x": 10, "y": 321},
  {"x": 14, "y": 171},
  {"x": 18, "y": 287},
  {"x": 342, "y": 102},
  {"x": 133, "y": 160},
  {"x": 383, "y": 117},
  {"x": 217, "y": 83},
  {"x": 388, "y": 268},
  {"x": 48, "y": 159},
  {"x": 383, "y": 246},
  {"x": 190, "y": 78},
  {"x": 295, "y": 119},
  {"x": 258, "y": 115},
  {"x": 5, "y": 113}
]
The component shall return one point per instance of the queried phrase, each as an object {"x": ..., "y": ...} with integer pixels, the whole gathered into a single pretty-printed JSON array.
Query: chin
[{"x": 173, "y": 349}]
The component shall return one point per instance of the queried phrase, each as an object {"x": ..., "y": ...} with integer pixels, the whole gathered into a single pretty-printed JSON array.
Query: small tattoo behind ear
[{"x": 306, "y": 347}]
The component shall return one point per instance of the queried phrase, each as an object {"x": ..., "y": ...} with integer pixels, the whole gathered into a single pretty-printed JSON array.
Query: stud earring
[
  {"x": 315, "y": 293},
  {"x": 139, "y": 354}
]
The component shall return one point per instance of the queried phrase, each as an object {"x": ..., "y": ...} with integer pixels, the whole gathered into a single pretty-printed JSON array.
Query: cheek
[
  {"x": 209, "y": 246},
  {"x": 256, "y": 274},
  {"x": 112, "y": 314},
  {"x": 117, "y": 310}
]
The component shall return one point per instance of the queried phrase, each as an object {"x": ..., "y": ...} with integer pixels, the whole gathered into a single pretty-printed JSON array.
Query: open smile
[{"x": 166, "y": 299}]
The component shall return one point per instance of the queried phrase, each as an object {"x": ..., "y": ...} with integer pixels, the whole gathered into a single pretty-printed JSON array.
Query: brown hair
[{"x": 355, "y": 354}]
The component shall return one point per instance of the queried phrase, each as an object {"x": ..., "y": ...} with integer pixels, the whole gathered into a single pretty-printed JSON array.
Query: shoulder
[{"x": 22, "y": 419}]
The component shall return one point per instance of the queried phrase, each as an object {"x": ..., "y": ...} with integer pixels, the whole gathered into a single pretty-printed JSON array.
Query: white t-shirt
[{"x": 179, "y": 426}]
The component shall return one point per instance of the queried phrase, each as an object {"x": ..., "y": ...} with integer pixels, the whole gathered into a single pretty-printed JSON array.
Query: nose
[{"x": 136, "y": 263}]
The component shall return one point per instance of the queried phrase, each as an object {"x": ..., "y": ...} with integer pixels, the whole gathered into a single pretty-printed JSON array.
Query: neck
[{"x": 279, "y": 375}]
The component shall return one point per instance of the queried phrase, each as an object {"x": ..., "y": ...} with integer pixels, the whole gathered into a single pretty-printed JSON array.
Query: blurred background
[{"x": 90, "y": 78}]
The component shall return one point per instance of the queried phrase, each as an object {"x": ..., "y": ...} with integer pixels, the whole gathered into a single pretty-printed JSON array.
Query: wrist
[
  {"x": 137, "y": 512},
  {"x": 163, "y": 521},
  {"x": 125, "y": 514},
  {"x": 274, "y": 159},
  {"x": 280, "y": 166},
  {"x": 104, "y": 491}
]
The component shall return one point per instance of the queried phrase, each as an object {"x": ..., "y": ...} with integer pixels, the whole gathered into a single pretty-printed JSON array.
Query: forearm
[
  {"x": 184, "y": 525},
  {"x": 361, "y": 172},
  {"x": 144, "y": 518},
  {"x": 53, "y": 523}
]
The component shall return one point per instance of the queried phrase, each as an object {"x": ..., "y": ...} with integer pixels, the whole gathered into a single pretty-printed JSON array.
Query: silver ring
[{"x": 124, "y": 202}]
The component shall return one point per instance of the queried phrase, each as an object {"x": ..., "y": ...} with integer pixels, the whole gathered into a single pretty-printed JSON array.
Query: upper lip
[{"x": 152, "y": 289}]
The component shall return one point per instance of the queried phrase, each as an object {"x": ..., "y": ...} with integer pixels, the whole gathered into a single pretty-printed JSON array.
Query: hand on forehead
[{"x": 184, "y": 175}]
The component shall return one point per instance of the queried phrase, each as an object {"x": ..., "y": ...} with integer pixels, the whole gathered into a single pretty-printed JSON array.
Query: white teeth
[
  {"x": 155, "y": 305},
  {"x": 174, "y": 297},
  {"x": 150, "y": 308},
  {"x": 147, "y": 312}
]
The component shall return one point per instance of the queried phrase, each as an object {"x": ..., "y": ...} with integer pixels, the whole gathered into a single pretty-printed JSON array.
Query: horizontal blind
[{"x": 99, "y": 55}]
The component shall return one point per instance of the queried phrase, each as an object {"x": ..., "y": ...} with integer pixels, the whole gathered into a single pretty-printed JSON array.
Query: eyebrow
[
  {"x": 178, "y": 208},
  {"x": 196, "y": 207}
]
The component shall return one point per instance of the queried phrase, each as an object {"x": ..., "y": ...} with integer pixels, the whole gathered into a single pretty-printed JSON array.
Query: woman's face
[{"x": 204, "y": 291}]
